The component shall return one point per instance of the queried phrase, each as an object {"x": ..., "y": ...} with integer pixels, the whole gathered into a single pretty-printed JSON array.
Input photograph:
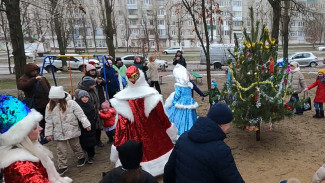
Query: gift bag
[{"x": 307, "y": 102}]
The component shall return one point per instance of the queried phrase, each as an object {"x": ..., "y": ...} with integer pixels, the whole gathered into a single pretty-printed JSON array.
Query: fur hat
[
  {"x": 295, "y": 64},
  {"x": 57, "y": 92},
  {"x": 130, "y": 154},
  {"x": 16, "y": 120},
  {"x": 105, "y": 105},
  {"x": 83, "y": 93},
  {"x": 321, "y": 71},
  {"x": 220, "y": 113},
  {"x": 88, "y": 81},
  {"x": 90, "y": 67}
]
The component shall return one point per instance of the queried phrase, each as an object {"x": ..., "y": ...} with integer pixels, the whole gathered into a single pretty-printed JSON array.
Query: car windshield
[{"x": 290, "y": 56}]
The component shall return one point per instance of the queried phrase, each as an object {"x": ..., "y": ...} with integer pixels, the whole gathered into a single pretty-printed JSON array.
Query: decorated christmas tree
[{"x": 256, "y": 86}]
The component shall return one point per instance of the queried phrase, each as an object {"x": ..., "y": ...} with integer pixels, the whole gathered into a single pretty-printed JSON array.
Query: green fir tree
[{"x": 256, "y": 87}]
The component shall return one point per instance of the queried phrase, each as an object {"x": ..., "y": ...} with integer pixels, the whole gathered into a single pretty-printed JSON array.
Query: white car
[
  {"x": 173, "y": 50},
  {"x": 321, "y": 48},
  {"x": 76, "y": 63},
  {"x": 307, "y": 59},
  {"x": 128, "y": 60},
  {"x": 28, "y": 55}
]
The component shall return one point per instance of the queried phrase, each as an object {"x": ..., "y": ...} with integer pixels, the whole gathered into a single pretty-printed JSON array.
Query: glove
[{"x": 306, "y": 89}]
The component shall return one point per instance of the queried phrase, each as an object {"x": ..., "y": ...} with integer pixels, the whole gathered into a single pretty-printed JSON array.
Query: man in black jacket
[
  {"x": 179, "y": 59},
  {"x": 210, "y": 159}
]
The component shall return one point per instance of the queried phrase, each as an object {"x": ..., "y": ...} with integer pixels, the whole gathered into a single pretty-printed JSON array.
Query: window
[
  {"x": 161, "y": 12},
  {"x": 101, "y": 43},
  {"x": 227, "y": 32},
  {"x": 90, "y": 43},
  {"x": 121, "y": 22},
  {"x": 237, "y": 13},
  {"x": 133, "y": 12},
  {"x": 133, "y": 21},
  {"x": 148, "y": 2},
  {"x": 123, "y": 43},
  {"x": 161, "y": 32},
  {"x": 190, "y": 23},
  {"x": 237, "y": 23},
  {"x": 132, "y": 2},
  {"x": 150, "y": 22},
  {"x": 225, "y": 3},
  {"x": 135, "y": 31},
  {"x": 173, "y": 33},
  {"x": 161, "y": 22},
  {"x": 99, "y": 32},
  {"x": 293, "y": 34},
  {"x": 237, "y": 3},
  {"x": 120, "y": 12},
  {"x": 160, "y": 2}
]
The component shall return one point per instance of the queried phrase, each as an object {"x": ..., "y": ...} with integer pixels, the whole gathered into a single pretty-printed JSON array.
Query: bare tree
[
  {"x": 127, "y": 32},
  {"x": 12, "y": 9},
  {"x": 93, "y": 25},
  {"x": 4, "y": 26},
  {"x": 109, "y": 4},
  {"x": 197, "y": 11}
]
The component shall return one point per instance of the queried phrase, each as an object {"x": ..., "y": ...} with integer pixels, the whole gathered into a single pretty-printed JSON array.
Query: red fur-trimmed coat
[{"x": 108, "y": 117}]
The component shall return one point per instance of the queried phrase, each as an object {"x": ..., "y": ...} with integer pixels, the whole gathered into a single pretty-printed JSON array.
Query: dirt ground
[{"x": 294, "y": 148}]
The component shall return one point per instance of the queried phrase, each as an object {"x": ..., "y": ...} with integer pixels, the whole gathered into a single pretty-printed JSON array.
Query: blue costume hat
[{"x": 16, "y": 120}]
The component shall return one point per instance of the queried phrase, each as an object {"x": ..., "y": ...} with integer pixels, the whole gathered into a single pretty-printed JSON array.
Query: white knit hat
[
  {"x": 90, "y": 67},
  {"x": 57, "y": 92}
]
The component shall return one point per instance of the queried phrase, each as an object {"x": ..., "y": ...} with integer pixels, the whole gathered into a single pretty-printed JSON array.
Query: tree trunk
[
  {"x": 286, "y": 20},
  {"x": 4, "y": 29},
  {"x": 109, "y": 28},
  {"x": 16, "y": 35},
  {"x": 276, "y": 7}
]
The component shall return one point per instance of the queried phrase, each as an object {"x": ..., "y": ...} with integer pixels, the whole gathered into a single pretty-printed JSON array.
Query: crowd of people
[{"x": 148, "y": 137}]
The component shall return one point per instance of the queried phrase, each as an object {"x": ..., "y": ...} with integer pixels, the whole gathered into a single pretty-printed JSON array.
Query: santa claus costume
[
  {"x": 141, "y": 117},
  {"x": 22, "y": 158}
]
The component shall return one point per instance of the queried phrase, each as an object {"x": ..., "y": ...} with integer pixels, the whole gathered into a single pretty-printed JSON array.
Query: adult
[
  {"x": 112, "y": 82},
  {"x": 201, "y": 155},
  {"x": 36, "y": 87},
  {"x": 120, "y": 67},
  {"x": 89, "y": 84},
  {"x": 298, "y": 84},
  {"x": 180, "y": 106},
  {"x": 141, "y": 117},
  {"x": 179, "y": 59},
  {"x": 100, "y": 82},
  {"x": 130, "y": 154},
  {"x": 141, "y": 64},
  {"x": 22, "y": 157},
  {"x": 153, "y": 74}
]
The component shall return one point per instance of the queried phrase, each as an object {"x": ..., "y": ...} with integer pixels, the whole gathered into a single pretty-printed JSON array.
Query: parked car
[
  {"x": 76, "y": 63},
  {"x": 173, "y": 50},
  {"x": 219, "y": 55},
  {"x": 128, "y": 60},
  {"x": 28, "y": 55},
  {"x": 321, "y": 48},
  {"x": 303, "y": 58}
]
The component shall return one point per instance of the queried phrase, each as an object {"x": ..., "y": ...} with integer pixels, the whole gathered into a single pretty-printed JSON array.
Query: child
[
  {"x": 88, "y": 138},
  {"x": 61, "y": 125},
  {"x": 107, "y": 114},
  {"x": 214, "y": 94},
  {"x": 320, "y": 93}
]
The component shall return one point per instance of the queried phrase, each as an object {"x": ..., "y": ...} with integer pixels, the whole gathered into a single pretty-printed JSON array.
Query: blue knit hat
[
  {"x": 220, "y": 113},
  {"x": 16, "y": 120}
]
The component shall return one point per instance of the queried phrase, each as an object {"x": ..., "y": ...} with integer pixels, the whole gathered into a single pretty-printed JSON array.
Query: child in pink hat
[{"x": 107, "y": 114}]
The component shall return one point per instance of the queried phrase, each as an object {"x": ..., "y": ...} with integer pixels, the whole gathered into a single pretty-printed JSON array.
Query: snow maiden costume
[
  {"x": 141, "y": 117},
  {"x": 22, "y": 159},
  {"x": 180, "y": 106}
]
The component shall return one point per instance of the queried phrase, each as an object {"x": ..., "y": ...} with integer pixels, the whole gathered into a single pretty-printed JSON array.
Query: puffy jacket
[
  {"x": 108, "y": 117},
  {"x": 297, "y": 81},
  {"x": 320, "y": 91},
  {"x": 64, "y": 126},
  {"x": 180, "y": 61},
  {"x": 27, "y": 83},
  {"x": 209, "y": 160},
  {"x": 152, "y": 72}
]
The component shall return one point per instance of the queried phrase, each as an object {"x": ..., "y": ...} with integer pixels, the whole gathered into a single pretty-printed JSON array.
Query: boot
[
  {"x": 317, "y": 115},
  {"x": 321, "y": 113}
]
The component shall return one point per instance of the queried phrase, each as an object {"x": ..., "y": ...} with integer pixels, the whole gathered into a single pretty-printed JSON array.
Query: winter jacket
[
  {"x": 64, "y": 126},
  {"x": 115, "y": 175},
  {"x": 99, "y": 86},
  {"x": 27, "y": 83},
  {"x": 152, "y": 73},
  {"x": 88, "y": 138},
  {"x": 297, "y": 81},
  {"x": 319, "y": 175},
  {"x": 94, "y": 100},
  {"x": 209, "y": 160},
  {"x": 320, "y": 91},
  {"x": 180, "y": 61},
  {"x": 112, "y": 82},
  {"x": 121, "y": 70},
  {"x": 214, "y": 95},
  {"x": 108, "y": 117}
]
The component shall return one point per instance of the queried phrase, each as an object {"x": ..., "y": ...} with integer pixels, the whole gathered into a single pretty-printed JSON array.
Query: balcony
[{"x": 132, "y": 6}]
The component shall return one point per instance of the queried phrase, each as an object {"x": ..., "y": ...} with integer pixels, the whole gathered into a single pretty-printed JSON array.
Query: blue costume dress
[{"x": 181, "y": 107}]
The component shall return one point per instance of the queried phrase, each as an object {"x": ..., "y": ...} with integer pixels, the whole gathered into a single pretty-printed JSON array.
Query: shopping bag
[{"x": 307, "y": 102}]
